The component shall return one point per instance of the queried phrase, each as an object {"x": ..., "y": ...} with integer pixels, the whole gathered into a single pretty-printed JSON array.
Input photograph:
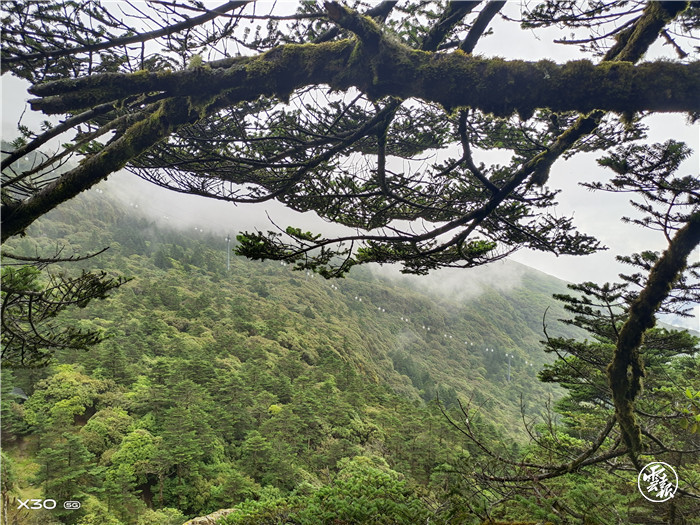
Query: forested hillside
[{"x": 299, "y": 396}]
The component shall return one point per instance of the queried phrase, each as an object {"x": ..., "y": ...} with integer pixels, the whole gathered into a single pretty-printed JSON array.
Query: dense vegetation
[{"x": 296, "y": 399}]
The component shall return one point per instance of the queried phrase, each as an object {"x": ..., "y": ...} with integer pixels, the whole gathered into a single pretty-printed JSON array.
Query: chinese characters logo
[{"x": 658, "y": 482}]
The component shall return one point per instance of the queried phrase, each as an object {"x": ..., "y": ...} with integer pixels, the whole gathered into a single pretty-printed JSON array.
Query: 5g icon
[{"x": 71, "y": 505}]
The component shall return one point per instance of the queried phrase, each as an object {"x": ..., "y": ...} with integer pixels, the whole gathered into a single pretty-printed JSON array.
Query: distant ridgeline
[
  {"x": 213, "y": 385},
  {"x": 400, "y": 331}
]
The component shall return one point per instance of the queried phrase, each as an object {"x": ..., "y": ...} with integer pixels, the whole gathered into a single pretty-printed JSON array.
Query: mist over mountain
[
  {"x": 228, "y": 383},
  {"x": 251, "y": 377},
  {"x": 451, "y": 312}
]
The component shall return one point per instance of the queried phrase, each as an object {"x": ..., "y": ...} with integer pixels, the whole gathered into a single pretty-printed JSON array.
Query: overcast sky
[{"x": 595, "y": 213}]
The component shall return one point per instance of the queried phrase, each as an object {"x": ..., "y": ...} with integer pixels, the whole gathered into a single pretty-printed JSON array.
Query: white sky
[{"x": 595, "y": 213}]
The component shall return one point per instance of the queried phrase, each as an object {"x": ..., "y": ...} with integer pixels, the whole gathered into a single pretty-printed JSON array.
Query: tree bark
[
  {"x": 626, "y": 370},
  {"x": 170, "y": 115},
  {"x": 385, "y": 68}
]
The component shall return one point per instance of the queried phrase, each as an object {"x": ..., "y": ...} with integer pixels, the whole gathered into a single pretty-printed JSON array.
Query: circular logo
[{"x": 658, "y": 482}]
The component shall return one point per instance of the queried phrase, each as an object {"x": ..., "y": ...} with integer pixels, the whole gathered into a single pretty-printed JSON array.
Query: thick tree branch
[
  {"x": 480, "y": 24},
  {"x": 170, "y": 115},
  {"x": 635, "y": 40},
  {"x": 454, "y": 80},
  {"x": 625, "y": 372},
  {"x": 451, "y": 16},
  {"x": 379, "y": 12},
  {"x": 377, "y": 66},
  {"x": 42, "y": 139}
]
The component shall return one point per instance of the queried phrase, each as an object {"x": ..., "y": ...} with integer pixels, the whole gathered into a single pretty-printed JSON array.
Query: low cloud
[{"x": 459, "y": 284}]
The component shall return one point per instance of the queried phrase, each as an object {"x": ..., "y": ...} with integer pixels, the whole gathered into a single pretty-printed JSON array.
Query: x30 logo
[{"x": 37, "y": 504}]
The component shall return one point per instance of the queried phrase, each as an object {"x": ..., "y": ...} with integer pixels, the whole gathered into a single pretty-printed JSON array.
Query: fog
[
  {"x": 597, "y": 214},
  {"x": 190, "y": 212}
]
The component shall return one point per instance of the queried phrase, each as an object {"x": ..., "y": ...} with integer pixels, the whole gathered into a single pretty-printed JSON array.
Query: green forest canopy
[{"x": 287, "y": 398}]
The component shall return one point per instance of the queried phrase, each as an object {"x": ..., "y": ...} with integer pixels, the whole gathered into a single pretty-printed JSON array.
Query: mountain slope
[
  {"x": 445, "y": 335},
  {"x": 226, "y": 381}
]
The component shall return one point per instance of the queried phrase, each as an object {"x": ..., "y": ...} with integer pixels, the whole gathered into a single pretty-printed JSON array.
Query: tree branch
[
  {"x": 491, "y": 85},
  {"x": 137, "y": 38},
  {"x": 625, "y": 372},
  {"x": 451, "y": 16},
  {"x": 170, "y": 115},
  {"x": 67, "y": 124},
  {"x": 480, "y": 24}
]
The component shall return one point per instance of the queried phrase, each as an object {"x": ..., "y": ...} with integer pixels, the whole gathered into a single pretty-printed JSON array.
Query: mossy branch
[
  {"x": 363, "y": 26},
  {"x": 635, "y": 40},
  {"x": 169, "y": 115},
  {"x": 453, "y": 80},
  {"x": 626, "y": 370}
]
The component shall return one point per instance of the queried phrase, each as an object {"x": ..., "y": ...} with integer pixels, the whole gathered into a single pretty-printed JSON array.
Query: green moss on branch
[
  {"x": 152, "y": 128},
  {"x": 626, "y": 370},
  {"x": 454, "y": 80}
]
